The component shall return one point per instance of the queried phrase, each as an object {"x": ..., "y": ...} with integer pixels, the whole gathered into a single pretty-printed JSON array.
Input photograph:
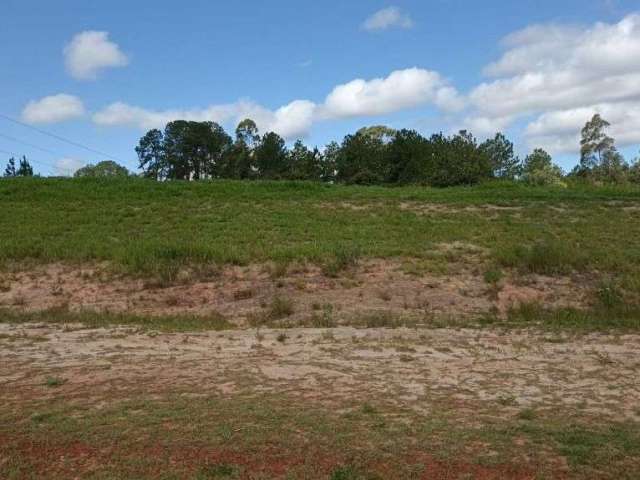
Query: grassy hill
[{"x": 144, "y": 226}]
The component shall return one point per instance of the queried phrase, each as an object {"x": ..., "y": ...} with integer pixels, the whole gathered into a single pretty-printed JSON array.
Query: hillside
[{"x": 235, "y": 329}]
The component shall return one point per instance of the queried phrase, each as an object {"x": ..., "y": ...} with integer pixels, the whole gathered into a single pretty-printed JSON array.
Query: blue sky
[{"x": 100, "y": 73}]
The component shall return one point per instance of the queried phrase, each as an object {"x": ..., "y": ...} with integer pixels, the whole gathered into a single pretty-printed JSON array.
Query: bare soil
[
  {"x": 241, "y": 292},
  {"x": 476, "y": 370}
]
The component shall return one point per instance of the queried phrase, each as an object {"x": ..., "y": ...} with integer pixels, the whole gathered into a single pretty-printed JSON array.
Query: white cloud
[
  {"x": 90, "y": 52},
  {"x": 52, "y": 109},
  {"x": 293, "y": 120},
  {"x": 386, "y": 18},
  {"x": 66, "y": 167},
  {"x": 483, "y": 127},
  {"x": 402, "y": 89},
  {"x": 560, "y": 75},
  {"x": 290, "y": 121},
  {"x": 559, "y": 131}
]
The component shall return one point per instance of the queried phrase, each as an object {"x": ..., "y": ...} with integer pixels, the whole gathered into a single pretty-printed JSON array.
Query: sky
[{"x": 82, "y": 81}]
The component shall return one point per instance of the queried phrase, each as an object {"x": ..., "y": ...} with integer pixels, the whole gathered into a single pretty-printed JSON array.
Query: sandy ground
[
  {"x": 475, "y": 370},
  {"x": 240, "y": 292}
]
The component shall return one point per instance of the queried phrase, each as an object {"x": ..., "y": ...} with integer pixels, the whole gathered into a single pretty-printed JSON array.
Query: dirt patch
[
  {"x": 488, "y": 210},
  {"x": 241, "y": 293},
  {"x": 479, "y": 370}
]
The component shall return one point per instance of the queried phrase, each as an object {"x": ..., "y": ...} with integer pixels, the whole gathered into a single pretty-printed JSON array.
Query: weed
[
  {"x": 344, "y": 257},
  {"x": 325, "y": 318},
  {"x": 527, "y": 414},
  {"x": 282, "y": 337},
  {"x": 280, "y": 308},
  {"x": 609, "y": 295},
  {"x": 52, "y": 382},
  {"x": 493, "y": 276}
]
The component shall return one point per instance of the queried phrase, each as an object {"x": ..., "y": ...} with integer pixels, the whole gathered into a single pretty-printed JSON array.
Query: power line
[
  {"x": 31, "y": 145},
  {"x": 60, "y": 138}
]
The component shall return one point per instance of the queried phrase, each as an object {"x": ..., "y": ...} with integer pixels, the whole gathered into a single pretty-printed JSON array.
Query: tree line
[{"x": 377, "y": 155}]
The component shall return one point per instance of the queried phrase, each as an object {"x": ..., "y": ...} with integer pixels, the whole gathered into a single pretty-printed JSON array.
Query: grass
[
  {"x": 154, "y": 229},
  {"x": 90, "y": 319},
  {"x": 274, "y": 437},
  {"x": 601, "y": 317},
  {"x": 53, "y": 382}
]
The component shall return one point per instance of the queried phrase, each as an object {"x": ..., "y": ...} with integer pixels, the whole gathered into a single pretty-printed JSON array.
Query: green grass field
[{"x": 142, "y": 225}]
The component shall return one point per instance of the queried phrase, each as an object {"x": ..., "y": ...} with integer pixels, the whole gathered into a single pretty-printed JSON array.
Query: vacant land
[{"x": 295, "y": 330}]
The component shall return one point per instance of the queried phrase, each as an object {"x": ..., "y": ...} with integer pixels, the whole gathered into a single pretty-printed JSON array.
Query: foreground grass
[
  {"x": 274, "y": 437},
  {"x": 149, "y": 227}
]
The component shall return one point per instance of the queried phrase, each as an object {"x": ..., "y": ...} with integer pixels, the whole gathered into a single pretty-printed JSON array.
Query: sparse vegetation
[
  {"x": 53, "y": 382},
  {"x": 281, "y": 307},
  {"x": 90, "y": 319}
]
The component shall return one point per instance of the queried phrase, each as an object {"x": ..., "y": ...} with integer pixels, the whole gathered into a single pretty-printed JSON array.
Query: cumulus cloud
[
  {"x": 560, "y": 75},
  {"x": 52, "y": 109},
  {"x": 290, "y": 121},
  {"x": 402, "y": 89},
  {"x": 390, "y": 17},
  {"x": 90, "y": 52},
  {"x": 66, "y": 167},
  {"x": 559, "y": 130}
]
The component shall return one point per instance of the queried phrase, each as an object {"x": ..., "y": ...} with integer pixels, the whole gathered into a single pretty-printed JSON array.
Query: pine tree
[
  {"x": 25, "y": 169},
  {"x": 10, "y": 170}
]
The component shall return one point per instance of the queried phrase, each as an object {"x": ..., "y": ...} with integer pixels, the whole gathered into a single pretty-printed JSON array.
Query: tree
[
  {"x": 329, "y": 162},
  {"x": 409, "y": 156},
  {"x": 107, "y": 168},
  {"x": 634, "y": 171},
  {"x": 613, "y": 167},
  {"x": 457, "y": 161},
  {"x": 304, "y": 164},
  {"x": 378, "y": 132},
  {"x": 504, "y": 163},
  {"x": 10, "y": 169},
  {"x": 539, "y": 169},
  {"x": 239, "y": 161},
  {"x": 247, "y": 133},
  {"x": 361, "y": 160},
  {"x": 271, "y": 157},
  {"x": 151, "y": 155},
  {"x": 595, "y": 144},
  {"x": 25, "y": 169},
  {"x": 185, "y": 151}
]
